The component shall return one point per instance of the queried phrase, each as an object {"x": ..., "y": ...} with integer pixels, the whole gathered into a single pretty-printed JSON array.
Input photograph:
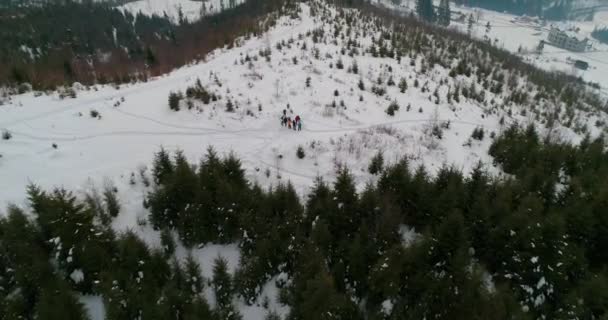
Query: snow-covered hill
[
  {"x": 342, "y": 123},
  {"x": 326, "y": 66},
  {"x": 175, "y": 9},
  {"x": 522, "y": 36}
]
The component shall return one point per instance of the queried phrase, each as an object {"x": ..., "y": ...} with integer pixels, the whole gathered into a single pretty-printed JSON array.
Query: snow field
[{"x": 135, "y": 121}]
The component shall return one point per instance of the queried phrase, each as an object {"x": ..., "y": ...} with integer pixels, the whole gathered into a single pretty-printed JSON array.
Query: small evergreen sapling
[
  {"x": 6, "y": 135},
  {"x": 300, "y": 152},
  {"x": 222, "y": 282},
  {"x": 478, "y": 134},
  {"x": 111, "y": 201},
  {"x": 174, "y": 99},
  {"x": 402, "y": 85},
  {"x": 392, "y": 108},
  {"x": 229, "y": 106},
  {"x": 377, "y": 163}
]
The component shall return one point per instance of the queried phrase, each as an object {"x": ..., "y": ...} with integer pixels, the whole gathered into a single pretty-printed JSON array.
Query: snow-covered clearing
[{"x": 190, "y": 10}]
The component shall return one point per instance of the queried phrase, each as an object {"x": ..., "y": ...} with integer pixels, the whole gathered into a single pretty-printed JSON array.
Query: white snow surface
[
  {"x": 191, "y": 10},
  {"x": 207, "y": 254},
  {"x": 135, "y": 121},
  {"x": 257, "y": 310},
  {"x": 408, "y": 235},
  {"x": 77, "y": 276},
  {"x": 94, "y": 306}
]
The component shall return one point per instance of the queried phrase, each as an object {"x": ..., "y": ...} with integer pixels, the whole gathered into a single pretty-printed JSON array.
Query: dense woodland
[
  {"x": 523, "y": 247},
  {"x": 601, "y": 35},
  {"x": 101, "y": 44}
]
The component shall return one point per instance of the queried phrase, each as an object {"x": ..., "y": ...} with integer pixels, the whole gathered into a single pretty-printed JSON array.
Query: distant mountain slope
[
  {"x": 179, "y": 10},
  {"x": 551, "y": 9}
]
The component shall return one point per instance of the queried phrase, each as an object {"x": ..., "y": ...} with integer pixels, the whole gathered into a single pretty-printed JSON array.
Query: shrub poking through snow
[
  {"x": 392, "y": 108},
  {"x": 478, "y": 134},
  {"x": 229, "y": 106},
  {"x": 377, "y": 163},
  {"x": 300, "y": 152},
  {"x": 112, "y": 205},
  {"x": 6, "y": 135},
  {"x": 174, "y": 99},
  {"x": 94, "y": 113}
]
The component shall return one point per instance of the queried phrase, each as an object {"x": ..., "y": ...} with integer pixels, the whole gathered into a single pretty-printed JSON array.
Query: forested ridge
[
  {"x": 527, "y": 246},
  {"x": 57, "y": 44}
]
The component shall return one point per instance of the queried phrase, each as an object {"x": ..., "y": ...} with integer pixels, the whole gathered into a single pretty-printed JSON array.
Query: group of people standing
[{"x": 295, "y": 123}]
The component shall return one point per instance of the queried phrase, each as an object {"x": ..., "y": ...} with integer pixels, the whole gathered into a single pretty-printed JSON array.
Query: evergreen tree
[
  {"x": 425, "y": 10},
  {"x": 402, "y": 85},
  {"x": 444, "y": 13},
  {"x": 56, "y": 301},
  {"x": 111, "y": 201},
  {"x": 222, "y": 282},
  {"x": 377, "y": 163},
  {"x": 162, "y": 167},
  {"x": 470, "y": 24},
  {"x": 174, "y": 99}
]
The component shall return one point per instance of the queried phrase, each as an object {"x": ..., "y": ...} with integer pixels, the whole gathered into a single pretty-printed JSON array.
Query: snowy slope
[
  {"x": 91, "y": 151},
  {"x": 136, "y": 120},
  {"x": 191, "y": 10},
  {"x": 512, "y": 33}
]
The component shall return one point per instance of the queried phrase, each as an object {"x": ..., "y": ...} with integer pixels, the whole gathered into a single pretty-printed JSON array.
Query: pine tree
[
  {"x": 470, "y": 23},
  {"x": 229, "y": 106},
  {"x": 392, "y": 108},
  {"x": 174, "y": 99},
  {"x": 162, "y": 166},
  {"x": 402, "y": 85},
  {"x": 300, "y": 152},
  {"x": 377, "y": 163},
  {"x": 193, "y": 276},
  {"x": 425, "y": 10},
  {"x": 444, "y": 13},
  {"x": 222, "y": 282},
  {"x": 150, "y": 57},
  {"x": 111, "y": 201},
  {"x": 56, "y": 301}
]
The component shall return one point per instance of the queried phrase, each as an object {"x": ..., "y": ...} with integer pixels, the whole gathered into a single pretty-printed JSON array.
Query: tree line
[
  {"x": 601, "y": 34},
  {"x": 526, "y": 246},
  {"x": 553, "y": 10},
  {"x": 97, "y": 43}
]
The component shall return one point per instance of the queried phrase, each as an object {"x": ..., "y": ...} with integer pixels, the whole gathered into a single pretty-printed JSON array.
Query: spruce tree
[
  {"x": 56, "y": 301},
  {"x": 444, "y": 13},
  {"x": 111, "y": 201},
  {"x": 376, "y": 164},
  {"x": 222, "y": 282},
  {"x": 470, "y": 24},
  {"x": 425, "y": 10},
  {"x": 162, "y": 166}
]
